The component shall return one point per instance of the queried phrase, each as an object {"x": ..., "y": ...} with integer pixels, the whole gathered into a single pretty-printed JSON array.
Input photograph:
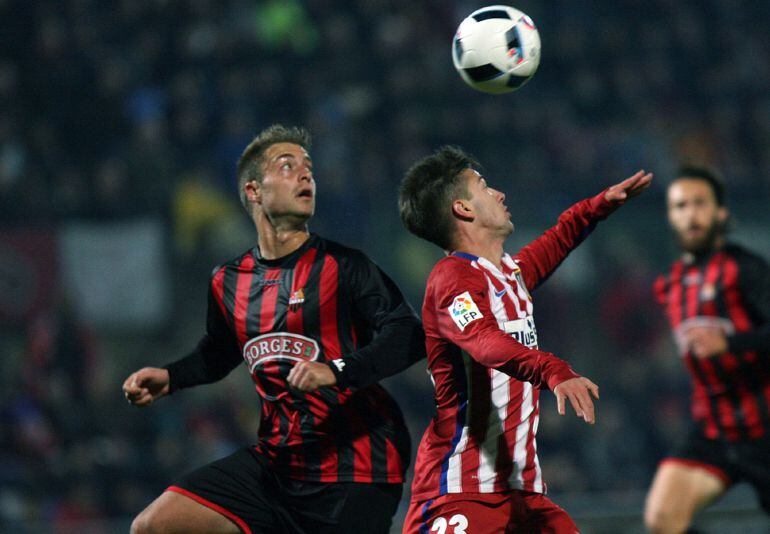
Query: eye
[{"x": 286, "y": 166}]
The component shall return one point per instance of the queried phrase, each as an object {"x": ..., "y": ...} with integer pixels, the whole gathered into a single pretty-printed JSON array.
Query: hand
[
  {"x": 628, "y": 188},
  {"x": 146, "y": 385},
  {"x": 705, "y": 342},
  {"x": 576, "y": 390},
  {"x": 309, "y": 376}
]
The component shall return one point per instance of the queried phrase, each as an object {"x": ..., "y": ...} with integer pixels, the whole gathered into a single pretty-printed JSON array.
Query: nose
[
  {"x": 306, "y": 174},
  {"x": 501, "y": 196}
]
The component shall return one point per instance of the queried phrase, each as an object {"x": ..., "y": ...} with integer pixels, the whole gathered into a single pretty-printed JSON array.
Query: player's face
[
  {"x": 694, "y": 215},
  {"x": 488, "y": 204},
  {"x": 288, "y": 187}
]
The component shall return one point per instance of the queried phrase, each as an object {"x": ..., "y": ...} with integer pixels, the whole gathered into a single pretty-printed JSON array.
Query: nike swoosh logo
[{"x": 500, "y": 293}]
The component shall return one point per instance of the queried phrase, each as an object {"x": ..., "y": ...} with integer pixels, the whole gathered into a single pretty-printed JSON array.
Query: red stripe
[
  {"x": 208, "y": 504},
  {"x": 328, "y": 305},
  {"x": 242, "y": 291},
  {"x": 530, "y": 468},
  {"x": 269, "y": 300},
  {"x": 362, "y": 447},
  {"x": 506, "y": 444},
  {"x": 478, "y": 422},
  {"x": 299, "y": 280},
  {"x": 712, "y": 469},
  {"x": 330, "y": 343},
  {"x": 218, "y": 290},
  {"x": 395, "y": 465},
  {"x": 739, "y": 316},
  {"x": 724, "y": 409}
]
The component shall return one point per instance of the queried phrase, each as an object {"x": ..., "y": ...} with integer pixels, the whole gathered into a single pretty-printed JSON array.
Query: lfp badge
[{"x": 464, "y": 311}]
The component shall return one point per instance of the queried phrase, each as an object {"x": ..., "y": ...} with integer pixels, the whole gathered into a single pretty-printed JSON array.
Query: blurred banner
[
  {"x": 116, "y": 273},
  {"x": 28, "y": 273}
]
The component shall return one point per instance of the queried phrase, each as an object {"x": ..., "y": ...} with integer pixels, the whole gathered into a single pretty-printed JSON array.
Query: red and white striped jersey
[{"x": 486, "y": 367}]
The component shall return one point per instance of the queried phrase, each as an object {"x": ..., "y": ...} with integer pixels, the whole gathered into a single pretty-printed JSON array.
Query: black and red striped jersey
[
  {"x": 328, "y": 303},
  {"x": 729, "y": 289}
]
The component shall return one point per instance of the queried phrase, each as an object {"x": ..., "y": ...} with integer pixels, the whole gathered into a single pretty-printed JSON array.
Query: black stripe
[
  {"x": 730, "y": 383},
  {"x": 311, "y": 327},
  {"x": 696, "y": 366},
  {"x": 748, "y": 373},
  {"x": 483, "y": 73},
  {"x": 492, "y": 14}
]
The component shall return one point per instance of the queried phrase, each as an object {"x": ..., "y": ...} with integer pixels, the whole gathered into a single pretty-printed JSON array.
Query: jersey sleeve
[
  {"x": 398, "y": 340},
  {"x": 460, "y": 300},
  {"x": 542, "y": 256},
  {"x": 216, "y": 354},
  {"x": 754, "y": 283}
]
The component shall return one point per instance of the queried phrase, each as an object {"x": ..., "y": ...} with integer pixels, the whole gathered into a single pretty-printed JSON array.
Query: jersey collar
[{"x": 465, "y": 255}]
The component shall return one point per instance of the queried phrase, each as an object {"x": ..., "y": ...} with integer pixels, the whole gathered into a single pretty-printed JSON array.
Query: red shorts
[{"x": 488, "y": 513}]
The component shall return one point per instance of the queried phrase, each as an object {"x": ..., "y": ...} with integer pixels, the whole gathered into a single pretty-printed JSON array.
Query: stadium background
[{"x": 120, "y": 123}]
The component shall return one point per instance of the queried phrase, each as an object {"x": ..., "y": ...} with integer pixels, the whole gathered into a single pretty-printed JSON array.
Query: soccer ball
[{"x": 496, "y": 49}]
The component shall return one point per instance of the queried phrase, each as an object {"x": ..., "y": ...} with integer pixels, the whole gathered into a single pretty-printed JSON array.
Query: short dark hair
[
  {"x": 250, "y": 164},
  {"x": 706, "y": 174},
  {"x": 427, "y": 191}
]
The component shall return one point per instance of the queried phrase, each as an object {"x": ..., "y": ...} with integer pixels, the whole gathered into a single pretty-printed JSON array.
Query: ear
[
  {"x": 722, "y": 214},
  {"x": 463, "y": 210},
  {"x": 253, "y": 191}
]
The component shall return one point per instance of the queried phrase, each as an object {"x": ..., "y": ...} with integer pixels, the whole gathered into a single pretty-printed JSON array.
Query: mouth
[{"x": 305, "y": 193}]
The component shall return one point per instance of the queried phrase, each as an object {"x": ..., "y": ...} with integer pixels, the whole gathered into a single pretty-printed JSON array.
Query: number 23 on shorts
[{"x": 458, "y": 522}]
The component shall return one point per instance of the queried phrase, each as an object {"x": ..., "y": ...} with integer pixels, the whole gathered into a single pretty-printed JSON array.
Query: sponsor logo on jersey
[
  {"x": 279, "y": 346},
  {"x": 523, "y": 331},
  {"x": 464, "y": 311}
]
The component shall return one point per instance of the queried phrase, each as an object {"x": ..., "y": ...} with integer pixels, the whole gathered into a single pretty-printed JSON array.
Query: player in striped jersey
[
  {"x": 318, "y": 325},
  {"x": 717, "y": 300},
  {"x": 477, "y": 468}
]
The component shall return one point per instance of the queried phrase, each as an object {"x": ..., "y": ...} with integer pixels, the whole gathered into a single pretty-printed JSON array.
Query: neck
[
  {"x": 277, "y": 239},
  {"x": 490, "y": 248}
]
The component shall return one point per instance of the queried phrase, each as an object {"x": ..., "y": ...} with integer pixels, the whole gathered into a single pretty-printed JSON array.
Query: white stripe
[
  {"x": 522, "y": 437},
  {"x": 539, "y": 487},
  {"x": 455, "y": 464},
  {"x": 495, "y": 426}
]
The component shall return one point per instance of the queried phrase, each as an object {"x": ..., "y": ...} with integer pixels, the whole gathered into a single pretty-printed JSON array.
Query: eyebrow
[{"x": 292, "y": 156}]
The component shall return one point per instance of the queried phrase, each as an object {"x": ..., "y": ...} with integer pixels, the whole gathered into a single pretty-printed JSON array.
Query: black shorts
[
  {"x": 244, "y": 489},
  {"x": 743, "y": 461}
]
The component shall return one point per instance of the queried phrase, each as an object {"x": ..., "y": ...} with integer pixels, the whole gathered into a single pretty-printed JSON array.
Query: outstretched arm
[
  {"x": 542, "y": 256},
  {"x": 478, "y": 334},
  {"x": 215, "y": 356}
]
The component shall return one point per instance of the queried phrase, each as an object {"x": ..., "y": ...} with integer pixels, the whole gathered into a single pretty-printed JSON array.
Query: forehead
[
  {"x": 277, "y": 150},
  {"x": 684, "y": 188},
  {"x": 471, "y": 175}
]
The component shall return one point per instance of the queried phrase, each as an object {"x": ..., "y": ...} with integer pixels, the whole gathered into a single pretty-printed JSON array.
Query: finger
[
  {"x": 631, "y": 180},
  {"x": 587, "y": 406},
  {"x": 560, "y": 403},
  {"x": 594, "y": 389},
  {"x": 575, "y": 405},
  {"x": 642, "y": 184}
]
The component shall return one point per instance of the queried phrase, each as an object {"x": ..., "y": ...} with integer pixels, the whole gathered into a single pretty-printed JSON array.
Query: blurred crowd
[{"x": 126, "y": 110}]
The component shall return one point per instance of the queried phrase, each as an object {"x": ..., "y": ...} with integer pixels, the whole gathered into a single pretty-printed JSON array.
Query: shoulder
[
  {"x": 662, "y": 283},
  {"x": 455, "y": 272},
  {"x": 744, "y": 256},
  {"x": 245, "y": 259},
  {"x": 340, "y": 251}
]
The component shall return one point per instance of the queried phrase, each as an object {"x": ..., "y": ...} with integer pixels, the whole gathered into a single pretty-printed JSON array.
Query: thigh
[
  {"x": 237, "y": 487},
  {"x": 176, "y": 513},
  {"x": 681, "y": 487},
  {"x": 459, "y": 514},
  {"x": 543, "y": 516}
]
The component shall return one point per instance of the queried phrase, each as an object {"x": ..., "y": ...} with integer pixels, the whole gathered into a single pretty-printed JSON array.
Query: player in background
[
  {"x": 477, "y": 468},
  {"x": 318, "y": 325},
  {"x": 717, "y": 299}
]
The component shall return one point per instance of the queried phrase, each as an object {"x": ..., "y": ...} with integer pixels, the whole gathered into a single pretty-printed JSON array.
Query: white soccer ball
[{"x": 496, "y": 49}]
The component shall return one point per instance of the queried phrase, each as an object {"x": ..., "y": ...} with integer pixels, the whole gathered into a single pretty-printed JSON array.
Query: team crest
[
  {"x": 296, "y": 299},
  {"x": 708, "y": 292},
  {"x": 464, "y": 311}
]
